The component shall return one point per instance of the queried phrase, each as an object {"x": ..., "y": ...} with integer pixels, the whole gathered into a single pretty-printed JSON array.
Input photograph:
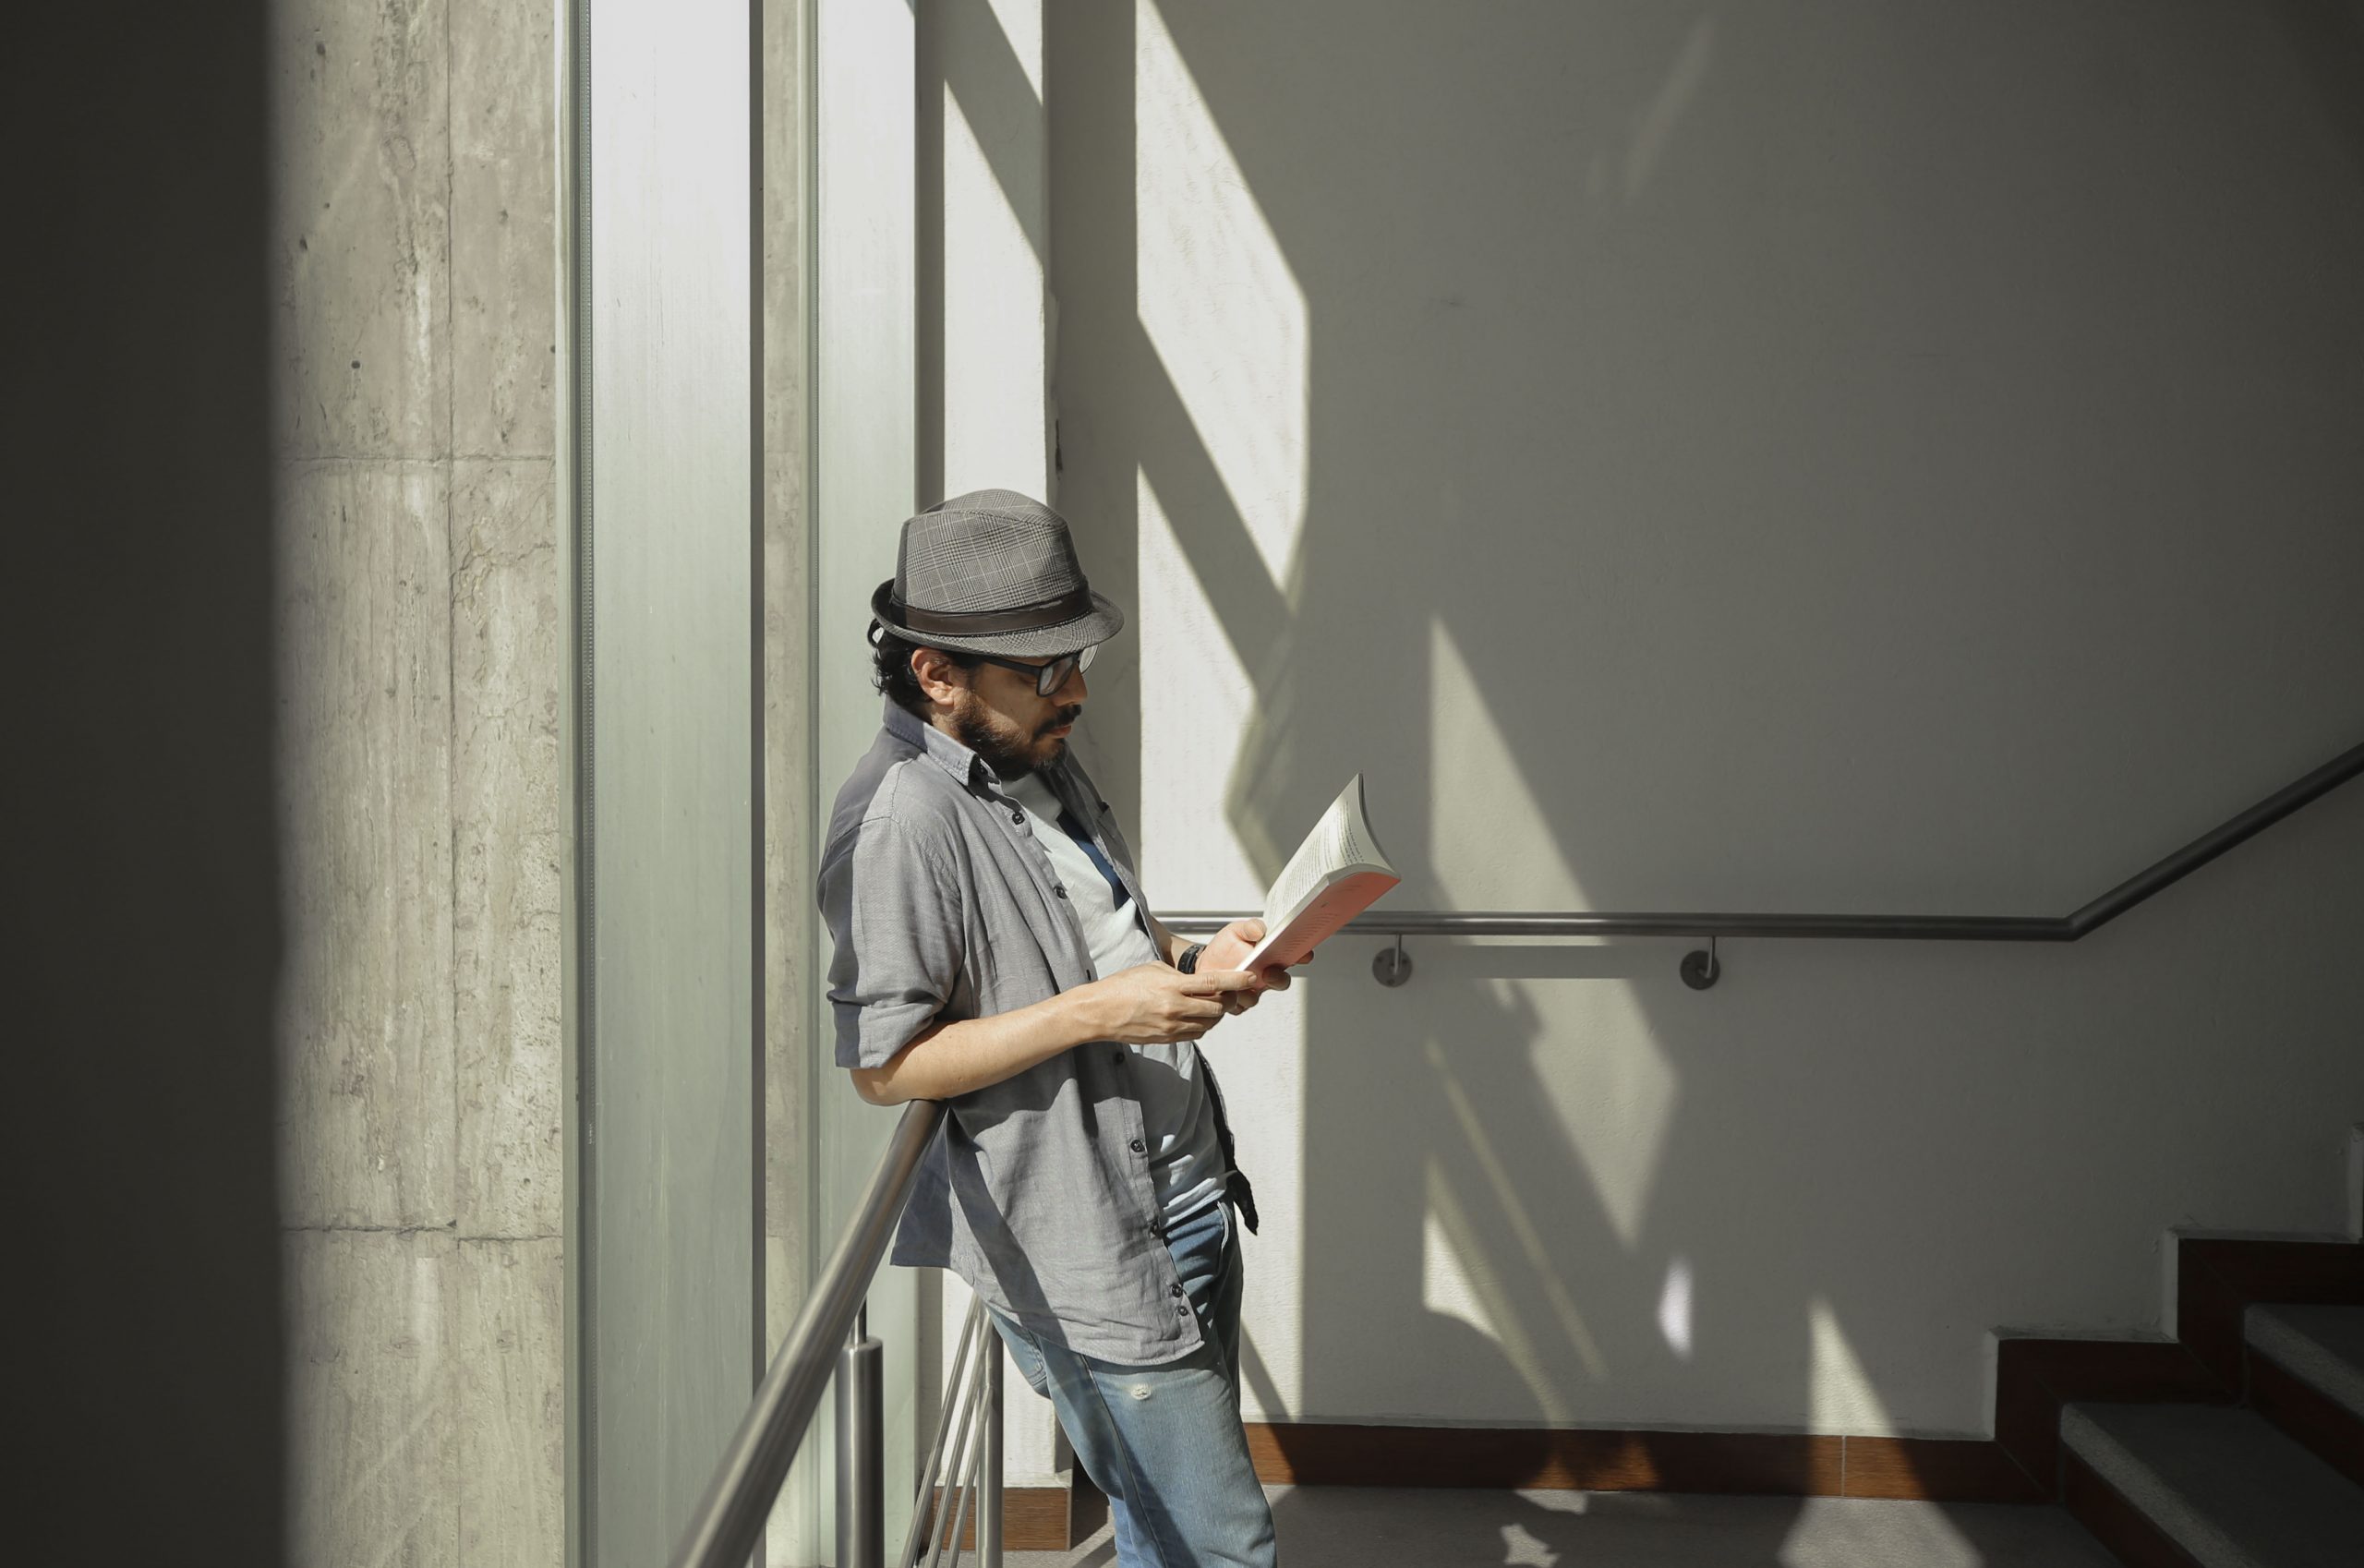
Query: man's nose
[{"x": 1072, "y": 690}]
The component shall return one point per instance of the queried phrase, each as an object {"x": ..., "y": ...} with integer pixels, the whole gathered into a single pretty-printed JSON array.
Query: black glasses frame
[{"x": 1048, "y": 678}]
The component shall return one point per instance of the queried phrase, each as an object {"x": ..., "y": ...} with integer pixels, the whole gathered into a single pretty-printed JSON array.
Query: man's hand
[
  {"x": 1225, "y": 950},
  {"x": 1151, "y": 1004}
]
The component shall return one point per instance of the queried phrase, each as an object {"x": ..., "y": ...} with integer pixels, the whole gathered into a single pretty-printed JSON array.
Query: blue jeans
[{"x": 1165, "y": 1444}]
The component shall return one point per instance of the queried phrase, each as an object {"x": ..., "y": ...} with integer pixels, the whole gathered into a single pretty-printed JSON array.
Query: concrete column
[{"x": 419, "y": 623}]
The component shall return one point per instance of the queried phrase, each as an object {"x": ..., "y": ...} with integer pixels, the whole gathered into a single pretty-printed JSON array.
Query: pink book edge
[{"x": 1320, "y": 921}]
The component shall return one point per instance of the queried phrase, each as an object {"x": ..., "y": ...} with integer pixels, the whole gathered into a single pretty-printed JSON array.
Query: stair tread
[
  {"x": 2322, "y": 1345},
  {"x": 2227, "y": 1485}
]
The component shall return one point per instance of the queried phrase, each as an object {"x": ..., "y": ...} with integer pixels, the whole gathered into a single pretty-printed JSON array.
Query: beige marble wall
[{"x": 420, "y": 618}]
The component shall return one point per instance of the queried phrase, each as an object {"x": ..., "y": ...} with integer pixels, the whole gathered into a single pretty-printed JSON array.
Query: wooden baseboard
[
  {"x": 1040, "y": 1518},
  {"x": 1936, "y": 1470},
  {"x": 1765, "y": 1464}
]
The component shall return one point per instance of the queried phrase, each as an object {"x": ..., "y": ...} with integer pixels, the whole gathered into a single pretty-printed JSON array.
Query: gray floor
[{"x": 1338, "y": 1526}]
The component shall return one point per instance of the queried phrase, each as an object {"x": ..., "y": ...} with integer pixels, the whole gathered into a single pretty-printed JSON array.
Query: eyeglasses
[{"x": 1048, "y": 678}]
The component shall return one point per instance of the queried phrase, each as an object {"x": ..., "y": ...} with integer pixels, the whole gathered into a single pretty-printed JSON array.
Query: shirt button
[
  {"x": 1177, "y": 1290},
  {"x": 1060, "y": 891},
  {"x": 1139, "y": 1146},
  {"x": 1182, "y": 1311},
  {"x": 1018, "y": 818}
]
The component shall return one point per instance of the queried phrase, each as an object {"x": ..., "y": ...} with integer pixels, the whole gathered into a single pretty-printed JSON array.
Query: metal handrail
[
  {"x": 724, "y": 1530},
  {"x": 1701, "y": 969}
]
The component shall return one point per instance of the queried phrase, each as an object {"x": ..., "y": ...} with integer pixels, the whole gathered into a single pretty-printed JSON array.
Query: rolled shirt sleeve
[{"x": 895, "y": 919}]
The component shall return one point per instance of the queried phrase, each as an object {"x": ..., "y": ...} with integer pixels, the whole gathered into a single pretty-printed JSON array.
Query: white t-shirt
[{"x": 1177, "y": 1118}]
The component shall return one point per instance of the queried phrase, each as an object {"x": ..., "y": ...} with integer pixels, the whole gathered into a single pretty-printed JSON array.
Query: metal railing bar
[
  {"x": 990, "y": 1500},
  {"x": 723, "y": 1531},
  {"x": 923, "y": 1507},
  {"x": 962, "y": 1457},
  {"x": 1926, "y": 928},
  {"x": 1535, "y": 923},
  {"x": 2214, "y": 842},
  {"x": 862, "y": 1501},
  {"x": 968, "y": 1484}
]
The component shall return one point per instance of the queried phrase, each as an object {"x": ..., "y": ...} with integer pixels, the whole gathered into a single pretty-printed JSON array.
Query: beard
[{"x": 1009, "y": 751}]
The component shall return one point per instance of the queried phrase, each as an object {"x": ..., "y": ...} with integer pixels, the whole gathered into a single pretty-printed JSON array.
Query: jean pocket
[{"x": 1024, "y": 1353}]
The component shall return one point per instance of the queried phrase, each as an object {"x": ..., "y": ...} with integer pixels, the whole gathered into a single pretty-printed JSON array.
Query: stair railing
[
  {"x": 1700, "y": 969},
  {"x": 832, "y": 1336},
  {"x": 971, "y": 1390}
]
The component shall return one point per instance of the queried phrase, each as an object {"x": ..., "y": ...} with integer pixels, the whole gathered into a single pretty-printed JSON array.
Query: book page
[
  {"x": 1302, "y": 876},
  {"x": 1340, "y": 841}
]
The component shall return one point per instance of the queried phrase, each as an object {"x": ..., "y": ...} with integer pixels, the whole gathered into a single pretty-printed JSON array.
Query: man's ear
[{"x": 934, "y": 674}]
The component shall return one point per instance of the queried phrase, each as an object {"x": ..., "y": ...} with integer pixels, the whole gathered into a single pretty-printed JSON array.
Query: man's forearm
[{"x": 950, "y": 1059}]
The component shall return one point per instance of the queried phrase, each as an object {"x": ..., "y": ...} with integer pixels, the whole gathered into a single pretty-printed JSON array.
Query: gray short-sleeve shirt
[{"x": 942, "y": 904}]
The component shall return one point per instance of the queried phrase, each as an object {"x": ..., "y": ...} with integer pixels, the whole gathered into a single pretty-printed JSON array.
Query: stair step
[
  {"x": 2323, "y": 1346},
  {"x": 2222, "y": 1483},
  {"x": 2306, "y": 1375}
]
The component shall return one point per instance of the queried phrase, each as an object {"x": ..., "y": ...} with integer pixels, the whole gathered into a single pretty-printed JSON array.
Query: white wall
[{"x": 1807, "y": 457}]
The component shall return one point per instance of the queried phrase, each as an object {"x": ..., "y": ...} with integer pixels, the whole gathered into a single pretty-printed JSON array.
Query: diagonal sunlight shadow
[
  {"x": 1322, "y": 681},
  {"x": 1617, "y": 1116},
  {"x": 1223, "y": 312},
  {"x": 1182, "y": 477},
  {"x": 1791, "y": 1328},
  {"x": 1249, "y": 610},
  {"x": 1001, "y": 101},
  {"x": 1246, "y": 502}
]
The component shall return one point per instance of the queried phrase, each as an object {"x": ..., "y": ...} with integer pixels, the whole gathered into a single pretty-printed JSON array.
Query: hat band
[{"x": 983, "y": 623}]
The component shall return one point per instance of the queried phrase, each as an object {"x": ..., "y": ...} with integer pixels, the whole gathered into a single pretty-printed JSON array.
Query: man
[{"x": 993, "y": 950}]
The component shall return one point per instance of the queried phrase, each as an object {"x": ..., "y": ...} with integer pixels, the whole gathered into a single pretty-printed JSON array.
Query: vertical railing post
[
  {"x": 989, "y": 1484},
  {"x": 862, "y": 1454}
]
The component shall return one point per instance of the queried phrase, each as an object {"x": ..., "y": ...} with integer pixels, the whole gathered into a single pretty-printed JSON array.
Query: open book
[{"x": 1335, "y": 874}]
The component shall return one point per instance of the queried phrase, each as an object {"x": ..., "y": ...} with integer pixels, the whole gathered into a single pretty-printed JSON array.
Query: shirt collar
[
  {"x": 936, "y": 746},
  {"x": 965, "y": 766}
]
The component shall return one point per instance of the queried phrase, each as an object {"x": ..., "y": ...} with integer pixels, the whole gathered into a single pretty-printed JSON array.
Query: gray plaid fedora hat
[{"x": 993, "y": 572}]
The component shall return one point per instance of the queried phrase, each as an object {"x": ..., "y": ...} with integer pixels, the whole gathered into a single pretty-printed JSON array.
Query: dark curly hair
[{"x": 892, "y": 674}]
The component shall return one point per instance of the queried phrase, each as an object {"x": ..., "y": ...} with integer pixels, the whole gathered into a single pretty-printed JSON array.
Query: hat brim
[{"x": 1103, "y": 621}]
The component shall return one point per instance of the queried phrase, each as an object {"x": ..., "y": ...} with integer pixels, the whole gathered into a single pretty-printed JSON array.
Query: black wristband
[{"x": 1188, "y": 962}]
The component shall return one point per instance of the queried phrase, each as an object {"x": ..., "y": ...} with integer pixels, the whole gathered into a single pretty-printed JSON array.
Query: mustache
[{"x": 1066, "y": 716}]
